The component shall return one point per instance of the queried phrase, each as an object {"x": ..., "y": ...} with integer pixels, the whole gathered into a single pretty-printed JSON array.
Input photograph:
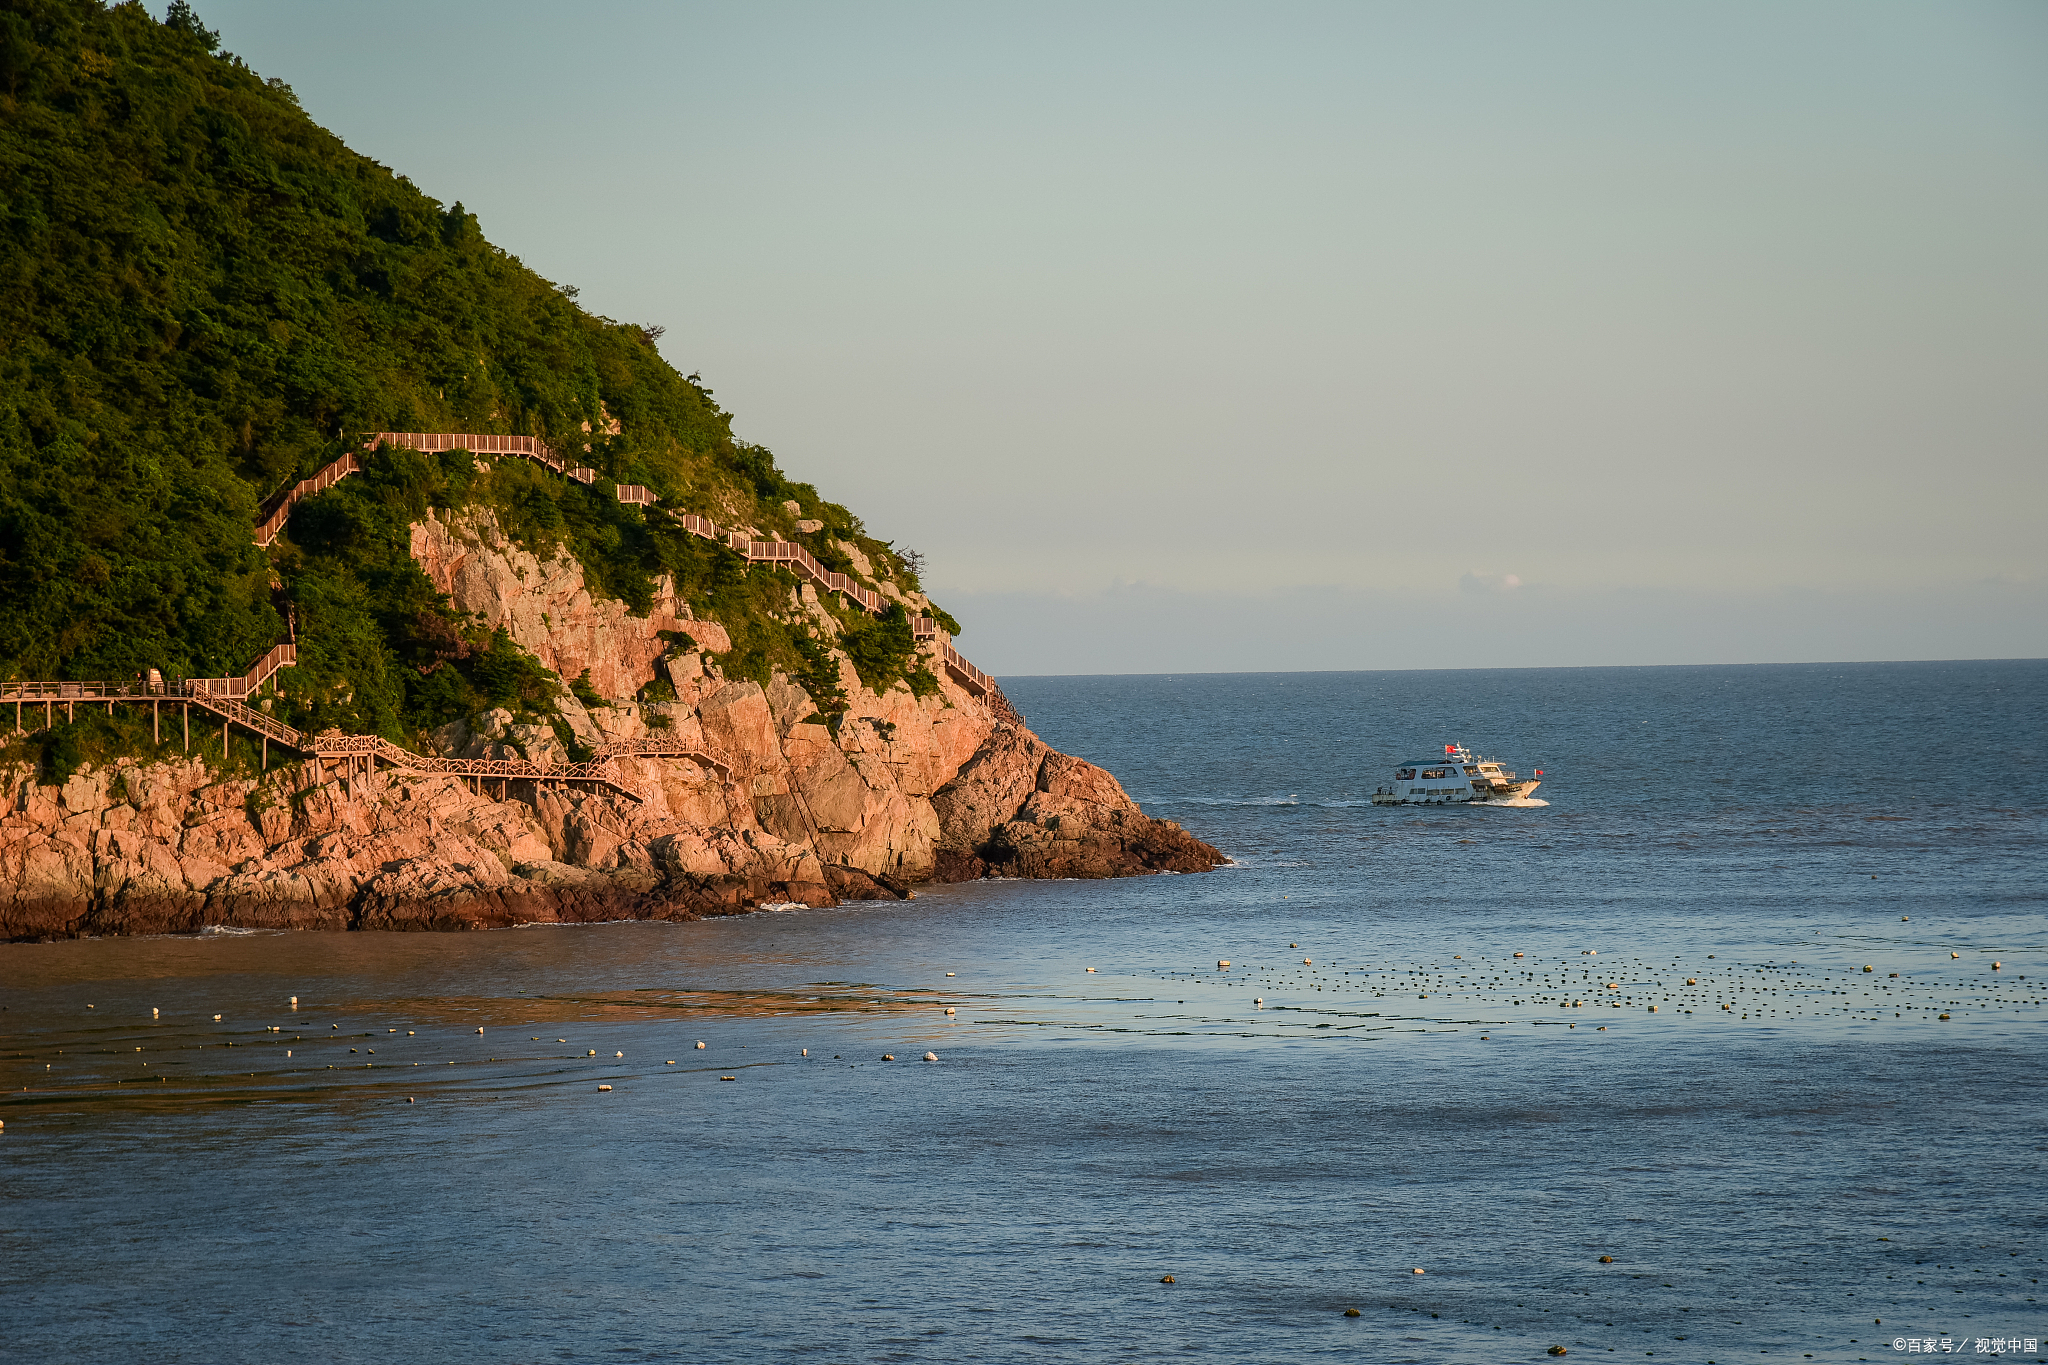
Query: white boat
[{"x": 1459, "y": 778}]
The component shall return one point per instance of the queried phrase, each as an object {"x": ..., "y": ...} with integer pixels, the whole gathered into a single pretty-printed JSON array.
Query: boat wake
[
  {"x": 1521, "y": 802},
  {"x": 1289, "y": 800}
]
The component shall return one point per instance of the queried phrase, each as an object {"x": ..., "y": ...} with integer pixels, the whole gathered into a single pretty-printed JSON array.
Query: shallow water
[{"x": 1769, "y": 1179}]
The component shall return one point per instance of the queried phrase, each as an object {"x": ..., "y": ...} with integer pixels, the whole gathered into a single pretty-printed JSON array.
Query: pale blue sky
[{"x": 1309, "y": 336}]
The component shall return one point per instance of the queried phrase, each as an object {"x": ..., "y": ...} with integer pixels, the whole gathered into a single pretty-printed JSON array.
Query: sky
[{"x": 1187, "y": 337}]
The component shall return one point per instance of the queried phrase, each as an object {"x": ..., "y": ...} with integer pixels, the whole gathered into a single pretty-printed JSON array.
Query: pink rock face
[
  {"x": 1079, "y": 780},
  {"x": 546, "y": 608}
]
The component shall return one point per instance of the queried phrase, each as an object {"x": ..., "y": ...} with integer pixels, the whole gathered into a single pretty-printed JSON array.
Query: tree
[{"x": 182, "y": 18}]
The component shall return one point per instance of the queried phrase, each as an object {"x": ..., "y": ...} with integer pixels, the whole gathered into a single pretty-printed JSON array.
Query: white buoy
[
  {"x": 1518, "y": 955},
  {"x": 1418, "y": 1270},
  {"x": 295, "y": 1005},
  {"x": 1308, "y": 962},
  {"x": 479, "y": 1030},
  {"x": 700, "y": 1047},
  {"x": 1223, "y": 962},
  {"x": 1091, "y": 969},
  {"x": 806, "y": 1052},
  {"x": 618, "y": 1054},
  {"x": 888, "y": 1056},
  {"x": 216, "y": 1018},
  {"x": 952, "y": 973},
  {"x": 604, "y": 1087},
  {"x": 671, "y": 1062},
  {"x": 591, "y": 1053},
  {"x": 951, "y": 1011},
  {"x": 1259, "y": 1000},
  {"x": 931, "y": 1056},
  {"x": 156, "y": 1014}
]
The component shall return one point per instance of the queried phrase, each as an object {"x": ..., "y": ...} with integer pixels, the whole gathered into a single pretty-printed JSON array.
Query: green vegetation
[
  {"x": 204, "y": 297},
  {"x": 96, "y": 737},
  {"x": 881, "y": 650},
  {"x": 819, "y": 676}
]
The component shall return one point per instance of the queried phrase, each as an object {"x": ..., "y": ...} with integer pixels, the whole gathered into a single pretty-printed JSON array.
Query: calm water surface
[{"x": 377, "y": 1180}]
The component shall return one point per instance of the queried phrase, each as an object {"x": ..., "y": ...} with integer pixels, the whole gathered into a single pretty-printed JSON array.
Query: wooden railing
[
  {"x": 972, "y": 678},
  {"x": 280, "y": 656},
  {"x": 792, "y": 555},
  {"x": 59, "y": 690},
  {"x": 376, "y": 749},
  {"x": 279, "y": 510},
  {"x": 248, "y": 717},
  {"x": 476, "y": 443},
  {"x": 662, "y": 748},
  {"x": 788, "y": 552}
]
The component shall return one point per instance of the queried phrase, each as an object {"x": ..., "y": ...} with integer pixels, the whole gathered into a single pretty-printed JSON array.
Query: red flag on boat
[
  {"x": 1450, "y": 748},
  {"x": 1539, "y": 772}
]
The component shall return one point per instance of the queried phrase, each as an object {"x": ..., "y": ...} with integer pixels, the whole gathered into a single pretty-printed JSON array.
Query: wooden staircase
[{"x": 225, "y": 698}]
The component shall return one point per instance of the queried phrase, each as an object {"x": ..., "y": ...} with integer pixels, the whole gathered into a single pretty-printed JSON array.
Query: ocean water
[{"x": 418, "y": 1163}]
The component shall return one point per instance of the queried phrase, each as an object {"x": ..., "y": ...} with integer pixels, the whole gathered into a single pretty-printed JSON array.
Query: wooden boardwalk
[
  {"x": 602, "y": 770},
  {"x": 366, "y": 750},
  {"x": 224, "y": 699}
]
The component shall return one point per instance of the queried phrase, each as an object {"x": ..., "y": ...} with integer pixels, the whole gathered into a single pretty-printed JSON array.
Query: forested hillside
[{"x": 204, "y": 296}]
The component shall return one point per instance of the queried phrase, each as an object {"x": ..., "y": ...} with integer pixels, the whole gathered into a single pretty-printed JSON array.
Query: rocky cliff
[{"x": 797, "y": 809}]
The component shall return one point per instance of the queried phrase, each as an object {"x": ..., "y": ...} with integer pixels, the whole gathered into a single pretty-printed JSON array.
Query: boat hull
[{"x": 1504, "y": 792}]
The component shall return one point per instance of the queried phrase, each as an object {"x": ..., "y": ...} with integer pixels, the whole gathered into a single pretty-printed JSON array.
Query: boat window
[
  {"x": 1471, "y": 772},
  {"x": 1435, "y": 772},
  {"x": 1405, "y": 775}
]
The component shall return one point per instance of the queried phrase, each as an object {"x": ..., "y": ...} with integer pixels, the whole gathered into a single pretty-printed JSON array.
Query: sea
[{"x": 1733, "y": 1050}]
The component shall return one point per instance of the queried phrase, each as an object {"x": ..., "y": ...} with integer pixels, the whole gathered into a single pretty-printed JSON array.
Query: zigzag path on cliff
[{"x": 261, "y": 399}]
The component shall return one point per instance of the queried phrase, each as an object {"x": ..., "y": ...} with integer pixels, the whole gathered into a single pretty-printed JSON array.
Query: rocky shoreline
[{"x": 903, "y": 790}]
